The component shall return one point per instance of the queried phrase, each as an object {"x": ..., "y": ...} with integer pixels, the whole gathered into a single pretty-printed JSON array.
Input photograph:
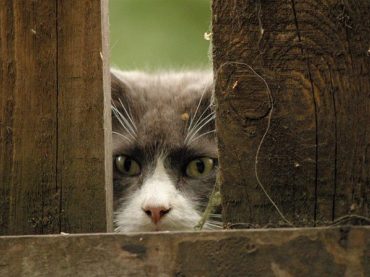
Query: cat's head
[{"x": 164, "y": 149}]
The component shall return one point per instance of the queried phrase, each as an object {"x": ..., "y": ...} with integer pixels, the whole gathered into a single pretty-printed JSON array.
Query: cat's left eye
[
  {"x": 199, "y": 167},
  {"x": 127, "y": 165}
]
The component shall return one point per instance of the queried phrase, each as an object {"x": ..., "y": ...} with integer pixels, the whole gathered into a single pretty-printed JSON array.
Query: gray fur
[{"x": 155, "y": 108}]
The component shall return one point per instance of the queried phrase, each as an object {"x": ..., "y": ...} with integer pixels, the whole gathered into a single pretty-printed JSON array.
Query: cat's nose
[{"x": 156, "y": 213}]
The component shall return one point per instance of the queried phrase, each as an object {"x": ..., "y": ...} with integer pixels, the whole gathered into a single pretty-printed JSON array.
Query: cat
[{"x": 164, "y": 150}]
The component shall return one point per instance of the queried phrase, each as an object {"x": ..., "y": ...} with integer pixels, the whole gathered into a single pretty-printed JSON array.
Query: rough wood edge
[{"x": 279, "y": 252}]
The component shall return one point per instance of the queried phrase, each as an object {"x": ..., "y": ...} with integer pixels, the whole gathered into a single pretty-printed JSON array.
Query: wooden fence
[
  {"x": 293, "y": 120},
  {"x": 55, "y": 129},
  {"x": 293, "y": 89}
]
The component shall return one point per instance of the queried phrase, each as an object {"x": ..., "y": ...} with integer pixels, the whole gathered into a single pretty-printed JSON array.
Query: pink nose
[{"x": 156, "y": 213}]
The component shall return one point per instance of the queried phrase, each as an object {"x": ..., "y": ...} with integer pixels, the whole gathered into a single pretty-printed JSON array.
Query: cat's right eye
[
  {"x": 127, "y": 166},
  {"x": 199, "y": 167}
]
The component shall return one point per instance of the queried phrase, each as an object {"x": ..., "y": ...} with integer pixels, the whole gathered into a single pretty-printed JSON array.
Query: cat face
[{"x": 164, "y": 150}]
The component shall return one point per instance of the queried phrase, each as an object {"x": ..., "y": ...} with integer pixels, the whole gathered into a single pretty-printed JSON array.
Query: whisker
[
  {"x": 129, "y": 117},
  {"x": 199, "y": 118},
  {"x": 216, "y": 223},
  {"x": 192, "y": 131},
  {"x": 123, "y": 136},
  {"x": 198, "y": 137},
  {"x": 203, "y": 119},
  {"x": 212, "y": 226},
  {"x": 120, "y": 117},
  {"x": 124, "y": 123},
  {"x": 196, "y": 110},
  {"x": 117, "y": 113},
  {"x": 201, "y": 127},
  {"x": 127, "y": 123},
  {"x": 216, "y": 215}
]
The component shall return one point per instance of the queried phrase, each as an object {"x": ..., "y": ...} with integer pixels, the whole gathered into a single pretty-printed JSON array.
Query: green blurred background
[{"x": 159, "y": 34}]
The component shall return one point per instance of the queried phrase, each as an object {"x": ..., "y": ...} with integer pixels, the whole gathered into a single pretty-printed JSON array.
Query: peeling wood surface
[
  {"x": 341, "y": 251},
  {"x": 313, "y": 56},
  {"x": 54, "y": 117}
]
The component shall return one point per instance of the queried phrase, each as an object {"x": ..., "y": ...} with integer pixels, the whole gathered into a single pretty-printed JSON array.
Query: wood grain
[
  {"x": 314, "y": 159},
  {"x": 84, "y": 128},
  {"x": 330, "y": 251},
  {"x": 29, "y": 195},
  {"x": 55, "y": 158}
]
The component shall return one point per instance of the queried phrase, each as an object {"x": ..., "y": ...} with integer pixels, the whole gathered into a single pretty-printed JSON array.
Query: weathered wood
[
  {"x": 29, "y": 195},
  {"x": 338, "y": 251},
  {"x": 55, "y": 163},
  {"x": 84, "y": 162},
  {"x": 300, "y": 69}
]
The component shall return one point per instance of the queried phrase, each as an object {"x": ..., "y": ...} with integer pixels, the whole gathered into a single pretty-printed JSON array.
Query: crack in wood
[{"x": 315, "y": 108}]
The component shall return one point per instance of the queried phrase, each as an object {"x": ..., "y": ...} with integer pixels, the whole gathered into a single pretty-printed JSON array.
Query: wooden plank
[
  {"x": 84, "y": 128},
  {"x": 55, "y": 130},
  {"x": 292, "y": 87},
  {"x": 341, "y": 251},
  {"x": 29, "y": 195}
]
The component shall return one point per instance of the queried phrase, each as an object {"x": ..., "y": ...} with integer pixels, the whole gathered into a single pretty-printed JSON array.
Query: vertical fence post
[
  {"x": 84, "y": 128},
  {"x": 293, "y": 86},
  {"x": 55, "y": 163}
]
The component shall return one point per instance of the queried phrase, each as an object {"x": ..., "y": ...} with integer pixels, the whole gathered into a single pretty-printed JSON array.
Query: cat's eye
[
  {"x": 199, "y": 167},
  {"x": 127, "y": 165}
]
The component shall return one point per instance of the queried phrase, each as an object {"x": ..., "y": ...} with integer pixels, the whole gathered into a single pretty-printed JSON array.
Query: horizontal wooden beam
[{"x": 335, "y": 251}]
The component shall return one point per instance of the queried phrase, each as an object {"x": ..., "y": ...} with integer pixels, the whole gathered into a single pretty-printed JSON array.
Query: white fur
[{"x": 157, "y": 190}]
